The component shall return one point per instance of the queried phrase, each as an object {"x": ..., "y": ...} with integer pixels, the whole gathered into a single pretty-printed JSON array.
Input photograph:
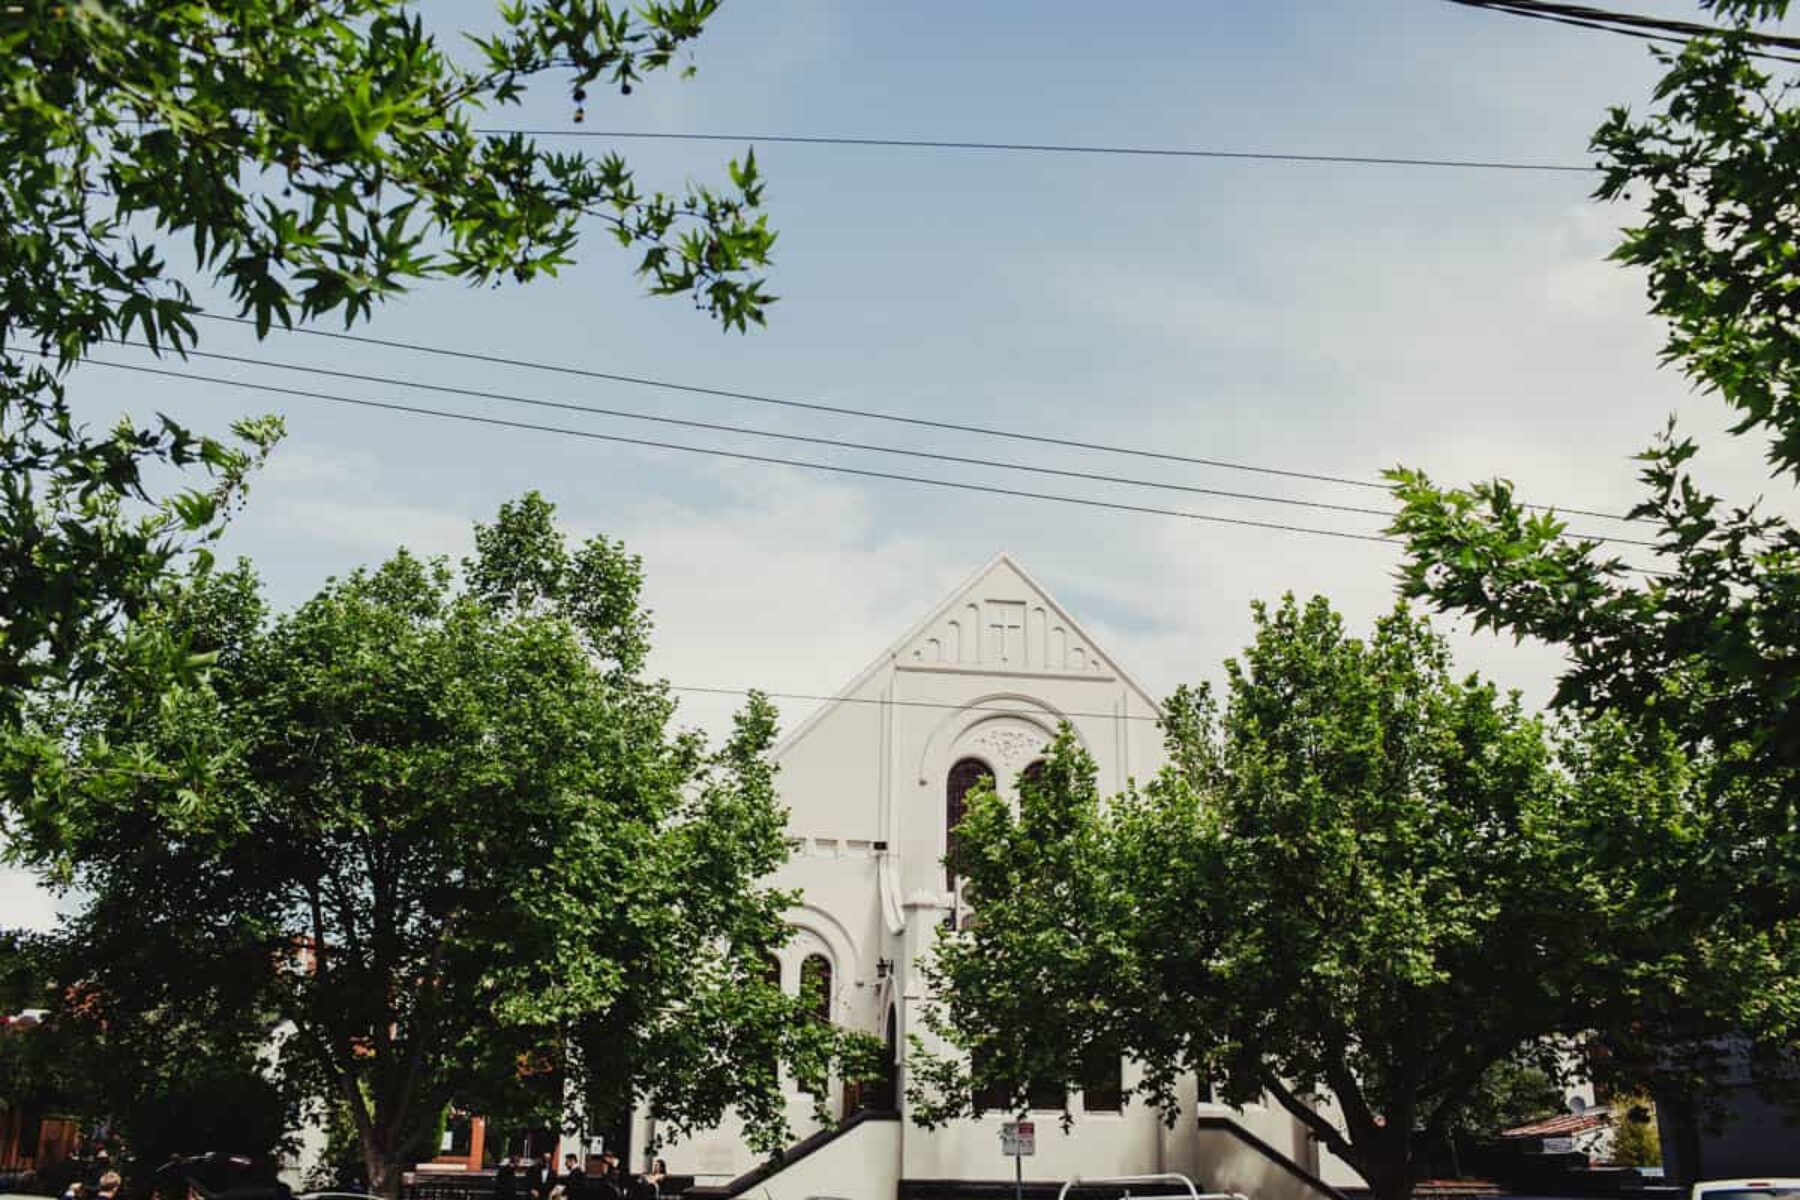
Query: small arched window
[
  {"x": 1033, "y": 773},
  {"x": 961, "y": 781}
]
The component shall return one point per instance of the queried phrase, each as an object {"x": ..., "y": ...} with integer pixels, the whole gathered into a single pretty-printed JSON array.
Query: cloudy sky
[{"x": 1323, "y": 318}]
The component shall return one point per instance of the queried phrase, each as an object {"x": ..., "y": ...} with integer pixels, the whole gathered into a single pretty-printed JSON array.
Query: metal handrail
[{"x": 1127, "y": 1180}]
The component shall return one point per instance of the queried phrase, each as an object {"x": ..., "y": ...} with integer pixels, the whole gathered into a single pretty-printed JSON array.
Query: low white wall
[
  {"x": 862, "y": 1164},
  {"x": 1227, "y": 1163}
]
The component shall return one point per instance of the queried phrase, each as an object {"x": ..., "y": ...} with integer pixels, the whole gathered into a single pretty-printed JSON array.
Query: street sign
[{"x": 1018, "y": 1139}]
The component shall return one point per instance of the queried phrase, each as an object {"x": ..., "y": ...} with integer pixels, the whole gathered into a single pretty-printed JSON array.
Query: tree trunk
[
  {"x": 1389, "y": 1172},
  {"x": 383, "y": 1168}
]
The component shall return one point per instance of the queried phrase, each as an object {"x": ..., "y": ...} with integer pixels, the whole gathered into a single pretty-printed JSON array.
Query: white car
[{"x": 1747, "y": 1189}]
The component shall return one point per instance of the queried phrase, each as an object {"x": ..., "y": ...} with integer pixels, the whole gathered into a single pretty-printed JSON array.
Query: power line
[
  {"x": 835, "y": 443},
  {"x": 804, "y": 464},
  {"x": 1654, "y": 29},
  {"x": 775, "y": 460},
  {"x": 864, "y": 413},
  {"x": 724, "y": 691},
  {"x": 1361, "y": 160}
]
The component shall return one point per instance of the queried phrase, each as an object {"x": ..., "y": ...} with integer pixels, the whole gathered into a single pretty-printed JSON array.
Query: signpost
[{"x": 1019, "y": 1139}]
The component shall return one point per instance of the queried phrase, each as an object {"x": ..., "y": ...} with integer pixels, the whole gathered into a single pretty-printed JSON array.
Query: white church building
[{"x": 873, "y": 782}]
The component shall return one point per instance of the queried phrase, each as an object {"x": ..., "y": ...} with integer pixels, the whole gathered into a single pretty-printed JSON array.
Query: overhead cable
[
  {"x": 893, "y": 703},
  {"x": 835, "y": 443},
  {"x": 1638, "y": 25},
  {"x": 804, "y": 464},
  {"x": 864, "y": 413},
  {"x": 794, "y": 139},
  {"x": 774, "y": 460}
]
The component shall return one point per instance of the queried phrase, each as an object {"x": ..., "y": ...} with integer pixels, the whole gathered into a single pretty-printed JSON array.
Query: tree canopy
[
  {"x": 450, "y": 843},
  {"x": 283, "y": 161},
  {"x": 1697, "y": 651},
  {"x": 1355, "y": 890}
]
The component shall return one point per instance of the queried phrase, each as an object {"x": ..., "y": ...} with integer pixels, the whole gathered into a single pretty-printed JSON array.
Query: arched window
[
  {"x": 883, "y": 1092},
  {"x": 962, "y": 780},
  {"x": 815, "y": 992},
  {"x": 1033, "y": 772},
  {"x": 815, "y": 985}
]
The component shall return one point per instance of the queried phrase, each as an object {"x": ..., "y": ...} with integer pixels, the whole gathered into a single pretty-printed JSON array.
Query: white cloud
[{"x": 24, "y": 903}]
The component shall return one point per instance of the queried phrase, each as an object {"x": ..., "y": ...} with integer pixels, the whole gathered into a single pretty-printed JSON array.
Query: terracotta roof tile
[{"x": 1561, "y": 1125}]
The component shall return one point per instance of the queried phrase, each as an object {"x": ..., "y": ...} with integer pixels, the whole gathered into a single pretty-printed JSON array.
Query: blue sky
[{"x": 1335, "y": 319}]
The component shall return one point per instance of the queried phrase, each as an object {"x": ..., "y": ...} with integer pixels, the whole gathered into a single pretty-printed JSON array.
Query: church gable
[{"x": 1002, "y": 621}]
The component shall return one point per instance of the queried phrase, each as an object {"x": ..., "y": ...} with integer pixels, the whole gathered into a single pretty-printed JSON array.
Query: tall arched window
[
  {"x": 1033, "y": 772},
  {"x": 771, "y": 973},
  {"x": 883, "y": 1092},
  {"x": 961, "y": 781},
  {"x": 815, "y": 985},
  {"x": 815, "y": 992}
]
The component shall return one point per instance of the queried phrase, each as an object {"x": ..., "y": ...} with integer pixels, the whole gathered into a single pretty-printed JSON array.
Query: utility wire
[
  {"x": 804, "y": 464},
  {"x": 725, "y": 691},
  {"x": 1364, "y": 160},
  {"x": 835, "y": 443},
  {"x": 867, "y": 414},
  {"x": 1654, "y": 29},
  {"x": 742, "y": 456}
]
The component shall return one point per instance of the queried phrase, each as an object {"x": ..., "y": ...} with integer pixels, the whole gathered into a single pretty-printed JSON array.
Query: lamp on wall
[{"x": 884, "y": 967}]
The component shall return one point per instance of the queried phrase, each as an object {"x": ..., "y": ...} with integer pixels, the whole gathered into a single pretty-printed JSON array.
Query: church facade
[{"x": 874, "y": 782}]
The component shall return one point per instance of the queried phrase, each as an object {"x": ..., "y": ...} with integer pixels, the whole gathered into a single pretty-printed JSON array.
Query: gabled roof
[{"x": 960, "y": 596}]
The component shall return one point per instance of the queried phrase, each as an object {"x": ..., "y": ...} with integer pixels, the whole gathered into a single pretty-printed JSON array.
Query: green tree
[
  {"x": 1697, "y": 653},
  {"x": 1635, "y": 1140},
  {"x": 1364, "y": 882},
  {"x": 160, "y": 1077},
  {"x": 451, "y": 843},
  {"x": 298, "y": 159},
  {"x": 1512, "y": 1092}
]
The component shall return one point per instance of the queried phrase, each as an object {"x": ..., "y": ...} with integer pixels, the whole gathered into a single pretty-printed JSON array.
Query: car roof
[{"x": 1761, "y": 1181}]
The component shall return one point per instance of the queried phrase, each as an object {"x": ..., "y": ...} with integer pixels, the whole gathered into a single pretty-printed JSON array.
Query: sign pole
[{"x": 1018, "y": 1138}]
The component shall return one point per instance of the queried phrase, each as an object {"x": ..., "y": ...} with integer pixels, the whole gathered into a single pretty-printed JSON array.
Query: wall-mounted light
[{"x": 884, "y": 967}]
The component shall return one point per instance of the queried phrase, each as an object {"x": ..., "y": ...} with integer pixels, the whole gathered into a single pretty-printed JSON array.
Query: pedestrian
[
  {"x": 574, "y": 1179},
  {"x": 506, "y": 1180},
  {"x": 109, "y": 1185},
  {"x": 542, "y": 1180},
  {"x": 606, "y": 1179},
  {"x": 648, "y": 1186}
]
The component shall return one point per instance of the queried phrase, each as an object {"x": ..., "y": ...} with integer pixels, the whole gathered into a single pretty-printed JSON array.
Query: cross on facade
[{"x": 1004, "y": 619}]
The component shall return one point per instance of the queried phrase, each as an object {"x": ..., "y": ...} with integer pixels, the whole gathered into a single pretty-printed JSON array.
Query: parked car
[{"x": 1747, "y": 1189}]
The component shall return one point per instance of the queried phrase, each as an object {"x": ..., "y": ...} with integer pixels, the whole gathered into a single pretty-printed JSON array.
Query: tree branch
[{"x": 1321, "y": 1129}]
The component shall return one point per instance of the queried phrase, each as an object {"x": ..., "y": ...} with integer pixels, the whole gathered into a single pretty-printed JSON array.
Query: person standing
[
  {"x": 574, "y": 1179},
  {"x": 506, "y": 1180},
  {"x": 606, "y": 1179},
  {"x": 543, "y": 1177}
]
